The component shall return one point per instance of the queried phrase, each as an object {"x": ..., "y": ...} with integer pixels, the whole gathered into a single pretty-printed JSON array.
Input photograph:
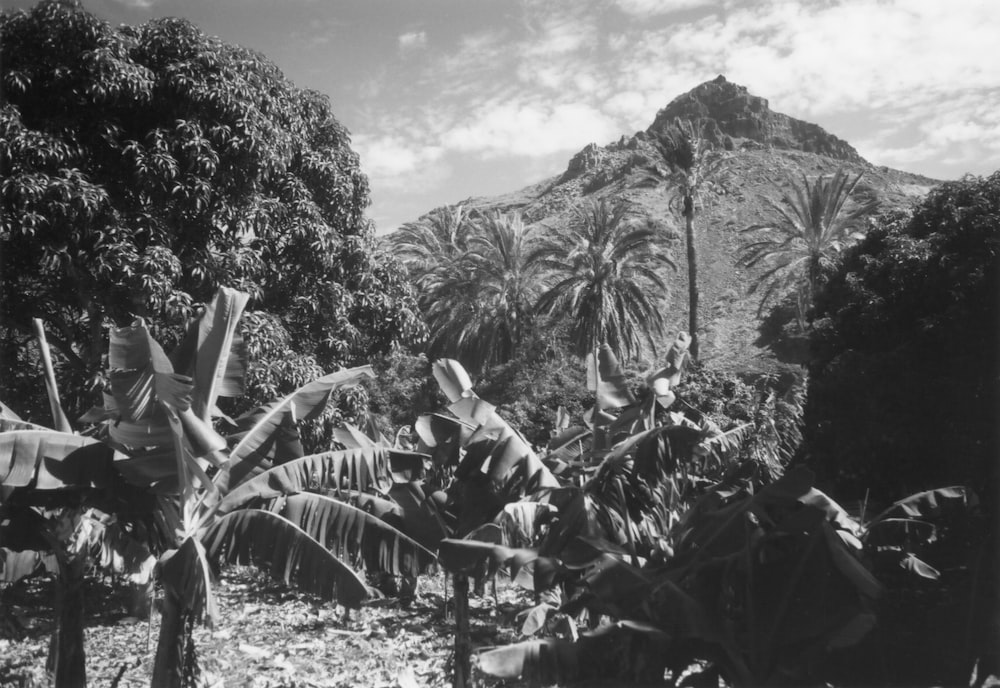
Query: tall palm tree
[
  {"x": 810, "y": 227},
  {"x": 483, "y": 308},
  {"x": 605, "y": 276},
  {"x": 692, "y": 165}
]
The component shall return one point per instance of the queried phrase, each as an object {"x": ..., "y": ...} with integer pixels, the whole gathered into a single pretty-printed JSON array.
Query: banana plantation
[{"x": 246, "y": 442}]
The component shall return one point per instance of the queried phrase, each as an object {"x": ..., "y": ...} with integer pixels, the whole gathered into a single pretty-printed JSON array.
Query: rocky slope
[{"x": 766, "y": 149}]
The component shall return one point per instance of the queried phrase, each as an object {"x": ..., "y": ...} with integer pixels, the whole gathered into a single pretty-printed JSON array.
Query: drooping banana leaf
[
  {"x": 626, "y": 651},
  {"x": 53, "y": 460},
  {"x": 351, "y": 437},
  {"x": 16, "y": 565},
  {"x": 282, "y": 549},
  {"x": 407, "y": 466},
  {"x": 522, "y": 521},
  {"x": 352, "y": 535},
  {"x": 142, "y": 375},
  {"x": 612, "y": 586},
  {"x": 442, "y": 437},
  {"x": 362, "y": 469},
  {"x": 477, "y": 558},
  {"x": 512, "y": 464},
  {"x": 423, "y": 521},
  {"x": 924, "y": 505},
  {"x": 256, "y": 449}
]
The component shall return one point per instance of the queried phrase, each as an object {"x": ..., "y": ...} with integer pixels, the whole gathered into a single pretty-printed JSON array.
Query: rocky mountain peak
[{"x": 734, "y": 118}]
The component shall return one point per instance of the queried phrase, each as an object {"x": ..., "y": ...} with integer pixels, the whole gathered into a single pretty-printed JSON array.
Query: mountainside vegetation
[{"x": 765, "y": 153}]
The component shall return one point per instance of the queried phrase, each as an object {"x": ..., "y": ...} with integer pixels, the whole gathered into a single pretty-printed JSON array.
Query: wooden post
[{"x": 463, "y": 641}]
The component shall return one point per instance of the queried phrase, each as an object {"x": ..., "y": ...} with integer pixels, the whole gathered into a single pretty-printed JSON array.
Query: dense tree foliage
[
  {"x": 144, "y": 167},
  {"x": 905, "y": 392}
]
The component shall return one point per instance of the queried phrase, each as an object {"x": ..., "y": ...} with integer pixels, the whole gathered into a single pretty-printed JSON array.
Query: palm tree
[
  {"x": 692, "y": 166},
  {"x": 503, "y": 279},
  {"x": 430, "y": 244},
  {"x": 477, "y": 288},
  {"x": 605, "y": 272},
  {"x": 810, "y": 227}
]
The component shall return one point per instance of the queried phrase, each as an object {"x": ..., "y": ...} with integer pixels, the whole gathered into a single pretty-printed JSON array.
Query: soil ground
[{"x": 268, "y": 636}]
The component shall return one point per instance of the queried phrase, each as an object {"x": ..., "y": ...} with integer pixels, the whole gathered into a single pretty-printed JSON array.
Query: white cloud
[
  {"x": 396, "y": 162},
  {"x": 912, "y": 82},
  {"x": 530, "y": 130},
  {"x": 136, "y": 4},
  {"x": 648, "y": 8},
  {"x": 412, "y": 40}
]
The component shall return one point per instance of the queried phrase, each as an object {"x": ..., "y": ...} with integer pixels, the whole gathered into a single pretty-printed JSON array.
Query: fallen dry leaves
[{"x": 268, "y": 636}]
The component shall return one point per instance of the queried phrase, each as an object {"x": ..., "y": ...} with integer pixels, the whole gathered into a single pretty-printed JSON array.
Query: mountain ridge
[{"x": 765, "y": 151}]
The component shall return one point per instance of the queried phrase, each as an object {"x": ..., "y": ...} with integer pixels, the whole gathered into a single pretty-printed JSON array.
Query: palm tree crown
[
  {"x": 431, "y": 246},
  {"x": 605, "y": 272},
  {"x": 484, "y": 308},
  {"x": 810, "y": 227}
]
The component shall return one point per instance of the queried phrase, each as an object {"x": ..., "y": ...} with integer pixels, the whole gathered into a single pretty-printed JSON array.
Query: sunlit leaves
[{"x": 146, "y": 166}]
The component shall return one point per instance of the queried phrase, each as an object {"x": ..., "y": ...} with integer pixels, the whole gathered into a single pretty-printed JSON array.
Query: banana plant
[
  {"x": 45, "y": 476},
  {"x": 50, "y": 480},
  {"x": 250, "y": 499}
]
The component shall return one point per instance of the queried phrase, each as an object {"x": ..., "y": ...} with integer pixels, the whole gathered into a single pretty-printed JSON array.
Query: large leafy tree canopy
[
  {"x": 905, "y": 395},
  {"x": 146, "y": 166}
]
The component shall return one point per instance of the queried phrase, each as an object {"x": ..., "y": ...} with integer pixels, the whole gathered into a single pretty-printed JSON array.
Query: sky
[{"x": 447, "y": 99}]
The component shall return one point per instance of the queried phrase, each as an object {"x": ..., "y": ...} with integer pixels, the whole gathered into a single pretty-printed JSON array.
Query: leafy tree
[
  {"x": 145, "y": 166},
  {"x": 904, "y": 394},
  {"x": 692, "y": 166},
  {"x": 603, "y": 272},
  {"x": 813, "y": 223}
]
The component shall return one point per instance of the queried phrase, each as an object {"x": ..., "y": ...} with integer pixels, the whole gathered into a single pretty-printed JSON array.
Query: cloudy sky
[{"x": 448, "y": 99}]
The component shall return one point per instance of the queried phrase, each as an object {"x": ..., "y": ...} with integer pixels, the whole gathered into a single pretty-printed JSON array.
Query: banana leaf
[
  {"x": 141, "y": 374},
  {"x": 6, "y": 413},
  {"x": 422, "y": 521},
  {"x": 17, "y": 565},
  {"x": 925, "y": 505},
  {"x": 626, "y": 651},
  {"x": 352, "y": 535},
  {"x": 363, "y": 470},
  {"x": 220, "y": 356},
  {"x": 282, "y": 549},
  {"x": 52, "y": 460},
  {"x": 452, "y": 379},
  {"x": 255, "y": 451},
  {"x": 608, "y": 380}
]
